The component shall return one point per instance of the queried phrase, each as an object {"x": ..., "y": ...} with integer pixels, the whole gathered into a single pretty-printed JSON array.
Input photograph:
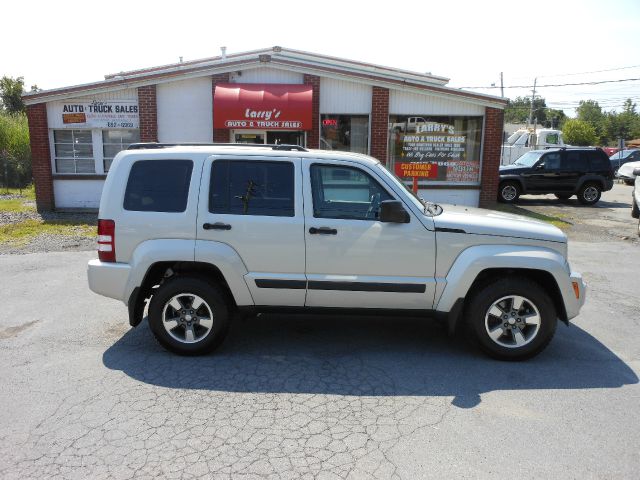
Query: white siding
[
  {"x": 340, "y": 96},
  {"x": 185, "y": 111},
  {"x": 470, "y": 198},
  {"x": 264, "y": 74},
  {"x": 77, "y": 193},
  {"x": 407, "y": 103}
]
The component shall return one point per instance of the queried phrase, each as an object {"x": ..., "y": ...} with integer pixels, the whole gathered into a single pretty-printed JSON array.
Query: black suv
[{"x": 585, "y": 172}]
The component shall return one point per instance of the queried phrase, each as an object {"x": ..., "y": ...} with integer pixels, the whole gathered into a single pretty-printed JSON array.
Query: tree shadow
[{"x": 365, "y": 356}]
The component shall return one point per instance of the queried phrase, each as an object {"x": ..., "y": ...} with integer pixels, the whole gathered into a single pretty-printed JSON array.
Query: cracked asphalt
[{"x": 289, "y": 397}]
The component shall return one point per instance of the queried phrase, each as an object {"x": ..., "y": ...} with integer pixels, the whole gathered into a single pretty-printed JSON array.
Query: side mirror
[
  {"x": 540, "y": 166},
  {"x": 392, "y": 211},
  {"x": 636, "y": 171}
]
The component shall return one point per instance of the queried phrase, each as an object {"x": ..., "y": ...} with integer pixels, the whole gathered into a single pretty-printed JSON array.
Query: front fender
[{"x": 471, "y": 262}]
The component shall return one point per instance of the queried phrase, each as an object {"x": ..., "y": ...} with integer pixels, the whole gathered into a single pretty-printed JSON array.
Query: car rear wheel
[
  {"x": 629, "y": 182},
  {"x": 188, "y": 316},
  {"x": 563, "y": 196},
  {"x": 635, "y": 211},
  {"x": 512, "y": 318},
  {"x": 508, "y": 192},
  {"x": 589, "y": 194}
]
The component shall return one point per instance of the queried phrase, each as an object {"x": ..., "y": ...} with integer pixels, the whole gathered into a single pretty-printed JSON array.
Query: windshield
[
  {"x": 514, "y": 136},
  {"x": 392, "y": 176},
  {"x": 528, "y": 159}
]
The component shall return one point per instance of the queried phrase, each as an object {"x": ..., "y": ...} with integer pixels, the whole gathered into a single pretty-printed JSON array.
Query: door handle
[
  {"x": 216, "y": 226},
  {"x": 323, "y": 231}
]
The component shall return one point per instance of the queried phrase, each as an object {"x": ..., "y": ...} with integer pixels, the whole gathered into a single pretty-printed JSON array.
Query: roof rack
[{"x": 155, "y": 145}]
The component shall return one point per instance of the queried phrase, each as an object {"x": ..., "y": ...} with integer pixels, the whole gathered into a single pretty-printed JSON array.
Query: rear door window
[
  {"x": 158, "y": 186},
  {"x": 244, "y": 187},
  {"x": 574, "y": 161}
]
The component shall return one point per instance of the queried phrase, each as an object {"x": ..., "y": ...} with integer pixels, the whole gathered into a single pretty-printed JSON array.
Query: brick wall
[
  {"x": 313, "y": 137},
  {"x": 41, "y": 156},
  {"x": 379, "y": 123},
  {"x": 148, "y": 110},
  {"x": 489, "y": 176},
  {"x": 220, "y": 135}
]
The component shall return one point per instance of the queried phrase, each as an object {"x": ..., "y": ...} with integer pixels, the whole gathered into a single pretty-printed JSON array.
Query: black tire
[
  {"x": 629, "y": 182},
  {"x": 635, "y": 211},
  {"x": 186, "y": 288},
  {"x": 480, "y": 321},
  {"x": 563, "y": 196},
  {"x": 589, "y": 194},
  {"x": 509, "y": 192}
]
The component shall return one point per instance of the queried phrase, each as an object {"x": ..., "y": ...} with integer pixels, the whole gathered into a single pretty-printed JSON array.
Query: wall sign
[
  {"x": 98, "y": 114},
  {"x": 262, "y": 106}
]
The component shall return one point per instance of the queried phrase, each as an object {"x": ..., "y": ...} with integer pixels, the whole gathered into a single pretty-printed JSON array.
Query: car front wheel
[
  {"x": 512, "y": 318},
  {"x": 508, "y": 192},
  {"x": 188, "y": 316},
  {"x": 589, "y": 194}
]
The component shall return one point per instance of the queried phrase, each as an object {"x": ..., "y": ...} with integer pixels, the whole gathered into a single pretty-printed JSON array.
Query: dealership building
[{"x": 443, "y": 140}]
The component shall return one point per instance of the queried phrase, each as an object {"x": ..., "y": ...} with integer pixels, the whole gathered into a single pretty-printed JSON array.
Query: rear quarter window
[
  {"x": 598, "y": 161},
  {"x": 158, "y": 186}
]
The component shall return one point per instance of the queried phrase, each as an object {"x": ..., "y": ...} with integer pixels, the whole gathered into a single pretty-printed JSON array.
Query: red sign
[
  {"x": 330, "y": 122},
  {"x": 262, "y": 106},
  {"x": 417, "y": 169}
]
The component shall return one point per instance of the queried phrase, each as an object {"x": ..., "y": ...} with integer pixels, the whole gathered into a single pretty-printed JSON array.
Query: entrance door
[{"x": 253, "y": 137}]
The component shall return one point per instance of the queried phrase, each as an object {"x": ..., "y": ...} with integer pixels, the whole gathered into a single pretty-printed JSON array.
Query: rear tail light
[{"x": 107, "y": 240}]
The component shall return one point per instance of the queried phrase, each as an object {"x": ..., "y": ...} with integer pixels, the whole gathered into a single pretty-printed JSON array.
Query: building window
[
  {"x": 252, "y": 188},
  {"x": 435, "y": 148},
  {"x": 348, "y": 133},
  {"x": 73, "y": 151},
  {"x": 114, "y": 141}
]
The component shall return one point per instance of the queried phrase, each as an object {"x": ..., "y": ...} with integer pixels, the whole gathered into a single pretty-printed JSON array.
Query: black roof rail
[{"x": 156, "y": 145}]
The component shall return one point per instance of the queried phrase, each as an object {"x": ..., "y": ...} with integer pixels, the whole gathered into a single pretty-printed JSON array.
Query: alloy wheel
[
  {"x": 187, "y": 318},
  {"x": 512, "y": 321}
]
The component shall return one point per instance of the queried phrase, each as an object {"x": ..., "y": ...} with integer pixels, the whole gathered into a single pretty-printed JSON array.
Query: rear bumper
[{"x": 109, "y": 279}]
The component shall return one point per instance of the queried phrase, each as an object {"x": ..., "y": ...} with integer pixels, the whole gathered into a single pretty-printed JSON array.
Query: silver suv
[{"x": 202, "y": 234}]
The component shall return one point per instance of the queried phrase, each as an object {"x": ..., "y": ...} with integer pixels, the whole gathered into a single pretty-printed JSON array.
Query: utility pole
[
  {"x": 501, "y": 86},
  {"x": 533, "y": 97}
]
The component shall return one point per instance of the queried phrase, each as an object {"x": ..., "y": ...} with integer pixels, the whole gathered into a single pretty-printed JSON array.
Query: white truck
[
  {"x": 525, "y": 140},
  {"x": 202, "y": 234}
]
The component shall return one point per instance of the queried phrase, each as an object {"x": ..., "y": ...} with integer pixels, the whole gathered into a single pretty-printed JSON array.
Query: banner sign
[
  {"x": 262, "y": 106},
  {"x": 99, "y": 114}
]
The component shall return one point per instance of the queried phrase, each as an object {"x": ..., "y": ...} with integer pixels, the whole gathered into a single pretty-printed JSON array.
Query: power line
[
  {"x": 564, "y": 84},
  {"x": 586, "y": 73}
]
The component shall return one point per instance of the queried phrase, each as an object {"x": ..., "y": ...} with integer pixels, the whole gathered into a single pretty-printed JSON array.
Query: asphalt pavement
[{"x": 84, "y": 396}]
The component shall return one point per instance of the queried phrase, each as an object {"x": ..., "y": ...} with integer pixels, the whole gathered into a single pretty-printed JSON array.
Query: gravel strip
[{"x": 48, "y": 242}]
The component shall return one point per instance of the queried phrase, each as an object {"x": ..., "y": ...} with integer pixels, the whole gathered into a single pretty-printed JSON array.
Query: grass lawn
[
  {"x": 20, "y": 233},
  {"x": 554, "y": 220}
]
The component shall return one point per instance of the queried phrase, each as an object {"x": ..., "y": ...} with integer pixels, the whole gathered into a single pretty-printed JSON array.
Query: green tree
[
  {"x": 517, "y": 110},
  {"x": 11, "y": 90},
  {"x": 625, "y": 124},
  {"x": 578, "y": 132},
  {"x": 555, "y": 118},
  {"x": 15, "y": 152},
  {"x": 590, "y": 112}
]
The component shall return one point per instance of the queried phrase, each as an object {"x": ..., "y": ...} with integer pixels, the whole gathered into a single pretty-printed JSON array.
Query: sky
[{"x": 62, "y": 43}]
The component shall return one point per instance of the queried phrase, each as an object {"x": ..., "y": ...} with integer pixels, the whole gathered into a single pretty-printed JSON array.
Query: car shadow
[
  {"x": 365, "y": 356},
  {"x": 534, "y": 201}
]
